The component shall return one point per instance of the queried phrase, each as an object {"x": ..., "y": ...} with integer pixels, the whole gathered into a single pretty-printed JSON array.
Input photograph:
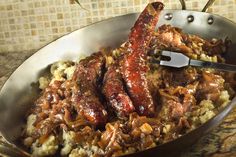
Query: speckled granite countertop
[{"x": 220, "y": 142}]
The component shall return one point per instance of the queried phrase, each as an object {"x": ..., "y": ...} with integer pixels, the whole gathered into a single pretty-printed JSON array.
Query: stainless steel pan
[{"x": 18, "y": 93}]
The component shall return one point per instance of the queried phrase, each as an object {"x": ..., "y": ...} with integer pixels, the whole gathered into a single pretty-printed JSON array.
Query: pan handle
[
  {"x": 209, "y": 4},
  {"x": 183, "y": 4}
]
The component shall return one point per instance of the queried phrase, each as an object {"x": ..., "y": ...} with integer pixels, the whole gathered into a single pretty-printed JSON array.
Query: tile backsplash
[{"x": 30, "y": 24}]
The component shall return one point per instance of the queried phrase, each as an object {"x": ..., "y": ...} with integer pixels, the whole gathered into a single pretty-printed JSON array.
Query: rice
[
  {"x": 29, "y": 126},
  {"x": 49, "y": 147},
  {"x": 62, "y": 70},
  {"x": 204, "y": 111},
  {"x": 174, "y": 88},
  {"x": 68, "y": 138}
]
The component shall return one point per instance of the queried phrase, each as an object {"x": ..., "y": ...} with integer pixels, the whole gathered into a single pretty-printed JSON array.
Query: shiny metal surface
[
  {"x": 19, "y": 92},
  {"x": 11, "y": 150},
  {"x": 179, "y": 60}
]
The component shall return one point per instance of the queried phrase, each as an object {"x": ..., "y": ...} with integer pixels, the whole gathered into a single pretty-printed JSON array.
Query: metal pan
[{"x": 18, "y": 93}]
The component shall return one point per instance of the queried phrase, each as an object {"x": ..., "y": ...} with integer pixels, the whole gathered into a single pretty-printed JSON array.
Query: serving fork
[{"x": 179, "y": 60}]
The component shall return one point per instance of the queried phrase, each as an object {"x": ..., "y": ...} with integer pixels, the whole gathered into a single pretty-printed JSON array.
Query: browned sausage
[
  {"x": 134, "y": 65},
  {"x": 85, "y": 95},
  {"x": 115, "y": 93}
]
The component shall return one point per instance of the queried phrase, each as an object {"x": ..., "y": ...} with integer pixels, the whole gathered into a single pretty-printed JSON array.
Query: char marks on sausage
[
  {"x": 134, "y": 66},
  {"x": 86, "y": 98},
  {"x": 115, "y": 93}
]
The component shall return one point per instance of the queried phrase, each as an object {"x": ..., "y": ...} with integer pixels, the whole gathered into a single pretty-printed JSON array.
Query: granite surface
[{"x": 220, "y": 142}]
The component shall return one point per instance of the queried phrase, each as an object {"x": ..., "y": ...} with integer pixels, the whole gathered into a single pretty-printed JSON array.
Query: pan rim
[{"x": 112, "y": 18}]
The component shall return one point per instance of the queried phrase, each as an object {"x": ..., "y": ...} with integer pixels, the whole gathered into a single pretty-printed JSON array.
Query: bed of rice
[{"x": 66, "y": 144}]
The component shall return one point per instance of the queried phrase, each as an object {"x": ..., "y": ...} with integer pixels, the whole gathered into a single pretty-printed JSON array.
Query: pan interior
[{"x": 19, "y": 92}]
